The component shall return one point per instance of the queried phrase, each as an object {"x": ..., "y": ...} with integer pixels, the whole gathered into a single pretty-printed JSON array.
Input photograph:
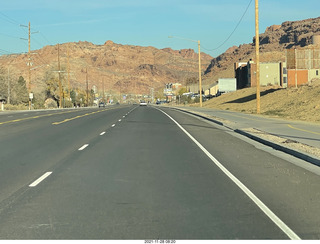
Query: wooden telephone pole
[
  {"x": 257, "y": 55},
  {"x": 87, "y": 87},
  {"x": 29, "y": 65},
  {"x": 59, "y": 71},
  {"x": 68, "y": 60}
]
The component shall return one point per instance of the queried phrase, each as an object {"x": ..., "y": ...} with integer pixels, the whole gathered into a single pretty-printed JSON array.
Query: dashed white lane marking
[
  {"x": 102, "y": 133},
  {"x": 292, "y": 235},
  {"x": 36, "y": 182},
  {"x": 113, "y": 125},
  {"x": 123, "y": 116},
  {"x": 83, "y": 147},
  {"x": 119, "y": 120}
]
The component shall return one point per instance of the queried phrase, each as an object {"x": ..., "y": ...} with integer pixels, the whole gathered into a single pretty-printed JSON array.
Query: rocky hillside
[
  {"x": 273, "y": 42},
  {"x": 125, "y": 68}
]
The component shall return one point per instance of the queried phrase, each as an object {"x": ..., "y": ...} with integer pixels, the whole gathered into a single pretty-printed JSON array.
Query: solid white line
[
  {"x": 102, "y": 133},
  {"x": 83, "y": 147},
  {"x": 256, "y": 200},
  {"x": 36, "y": 182}
]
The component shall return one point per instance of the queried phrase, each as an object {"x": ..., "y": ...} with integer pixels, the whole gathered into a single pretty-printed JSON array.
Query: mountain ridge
[{"x": 273, "y": 43}]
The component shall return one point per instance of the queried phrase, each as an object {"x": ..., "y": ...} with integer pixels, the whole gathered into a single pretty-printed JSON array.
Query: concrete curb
[
  {"x": 298, "y": 154},
  {"x": 212, "y": 120}
]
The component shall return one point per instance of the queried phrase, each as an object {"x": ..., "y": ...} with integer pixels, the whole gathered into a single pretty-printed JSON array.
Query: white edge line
[
  {"x": 83, "y": 147},
  {"x": 36, "y": 182},
  {"x": 255, "y": 199}
]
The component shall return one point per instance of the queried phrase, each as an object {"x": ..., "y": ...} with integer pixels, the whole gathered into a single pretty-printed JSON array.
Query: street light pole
[{"x": 200, "y": 85}]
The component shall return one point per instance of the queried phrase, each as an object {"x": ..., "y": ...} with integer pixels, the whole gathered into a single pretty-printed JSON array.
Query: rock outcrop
[{"x": 273, "y": 42}]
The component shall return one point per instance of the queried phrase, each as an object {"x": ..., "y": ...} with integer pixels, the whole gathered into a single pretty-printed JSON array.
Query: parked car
[{"x": 101, "y": 104}]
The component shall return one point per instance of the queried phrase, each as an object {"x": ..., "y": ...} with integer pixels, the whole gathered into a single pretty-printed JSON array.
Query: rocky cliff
[{"x": 273, "y": 43}]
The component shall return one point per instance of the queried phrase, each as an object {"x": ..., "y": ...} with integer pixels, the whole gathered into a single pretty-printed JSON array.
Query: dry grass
[{"x": 302, "y": 103}]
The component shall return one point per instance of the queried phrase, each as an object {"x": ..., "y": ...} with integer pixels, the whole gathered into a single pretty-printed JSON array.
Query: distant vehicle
[
  {"x": 143, "y": 103},
  {"x": 102, "y": 104},
  {"x": 158, "y": 102}
]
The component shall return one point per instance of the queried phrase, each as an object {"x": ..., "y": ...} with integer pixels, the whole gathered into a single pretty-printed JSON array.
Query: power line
[
  {"x": 231, "y": 32},
  {"x": 8, "y": 19},
  {"x": 3, "y": 34},
  {"x": 15, "y": 22}
]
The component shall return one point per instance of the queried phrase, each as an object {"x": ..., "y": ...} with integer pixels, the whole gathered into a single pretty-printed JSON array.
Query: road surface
[{"x": 131, "y": 172}]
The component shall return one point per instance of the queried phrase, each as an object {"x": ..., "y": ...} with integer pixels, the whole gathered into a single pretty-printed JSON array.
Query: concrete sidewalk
[{"x": 300, "y": 139}]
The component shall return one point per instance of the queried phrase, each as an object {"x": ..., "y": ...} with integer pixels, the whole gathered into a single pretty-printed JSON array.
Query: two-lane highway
[{"x": 131, "y": 172}]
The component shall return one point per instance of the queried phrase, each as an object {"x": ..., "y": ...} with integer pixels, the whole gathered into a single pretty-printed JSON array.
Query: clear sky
[{"x": 143, "y": 22}]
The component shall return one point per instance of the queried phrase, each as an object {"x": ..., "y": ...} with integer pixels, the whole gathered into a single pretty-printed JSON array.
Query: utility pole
[
  {"x": 68, "y": 60},
  {"x": 30, "y": 95},
  {"x": 59, "y": 71},
  {"x": 87, "y": 87},
  {"x": 9, "y": 92},
  {"x": 257, "y": 54},
  {"x": 200, "y": 86},
  {"x": 29, "y": 64},
  {"x": 103, "y": 94}
]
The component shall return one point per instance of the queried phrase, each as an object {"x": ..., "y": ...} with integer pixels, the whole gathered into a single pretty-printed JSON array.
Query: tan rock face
[
  {"x": 131, "y": 69},
  {"x": 272, "y": 46}
]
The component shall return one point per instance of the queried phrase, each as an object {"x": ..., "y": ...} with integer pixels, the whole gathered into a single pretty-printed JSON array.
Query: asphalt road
[{"x": 131, "y": 172}]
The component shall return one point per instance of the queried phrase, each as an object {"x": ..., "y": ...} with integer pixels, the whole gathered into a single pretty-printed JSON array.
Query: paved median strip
[
  {"x": 80, "y": 116},
  {"x": 36, "y": 182},
  {"x": 33, "y": 117},
  {"x": 76, "y": 117}
]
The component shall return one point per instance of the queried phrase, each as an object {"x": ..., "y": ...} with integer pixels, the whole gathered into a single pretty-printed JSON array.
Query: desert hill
[
  {"x": 300, "y": 103},
  {"x": 273, "y": 43},
  {"x": 122, "y": 68}
]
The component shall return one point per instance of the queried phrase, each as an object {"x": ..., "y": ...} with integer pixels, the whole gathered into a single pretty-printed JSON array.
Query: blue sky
[{"x": 143, "y": 22}]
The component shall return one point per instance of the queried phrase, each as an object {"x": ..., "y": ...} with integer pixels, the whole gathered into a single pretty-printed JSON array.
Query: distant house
[
  {"x": 270, "y": 74},
  {"x": 303, "y": 65},
  {"x": 227, "y": 85},
  {"x": 212, "y": 90}
]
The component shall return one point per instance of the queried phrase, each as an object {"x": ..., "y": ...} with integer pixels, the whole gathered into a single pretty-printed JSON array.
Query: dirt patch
[
  {"x": 285, "y": 142},
  {"x": 302, "y": 103}
]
